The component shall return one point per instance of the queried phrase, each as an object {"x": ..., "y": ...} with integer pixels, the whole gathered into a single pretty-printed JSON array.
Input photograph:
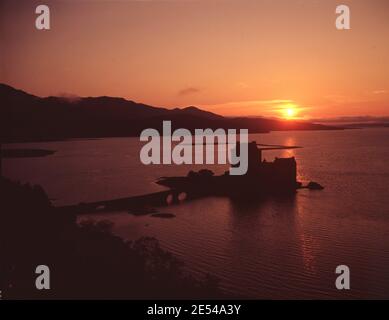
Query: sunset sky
[{"x": 236, "y": 58}]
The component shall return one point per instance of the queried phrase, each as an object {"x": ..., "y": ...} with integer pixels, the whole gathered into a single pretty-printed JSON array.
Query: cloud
[
  {"x": 242, "y": 85},
  {"x": 267, "y": 108},
  {"x": 254, "y": 103},
  {"x": 188, "y": 91},
  {"x": 69, "y": 97},
  {"x": 380, "y": 91},
  {"x": 353, "y": 119}
]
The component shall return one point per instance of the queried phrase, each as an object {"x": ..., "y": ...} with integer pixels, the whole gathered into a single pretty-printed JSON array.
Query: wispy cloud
[
  {"x": 253, "y": 103},
  {"x": 269, "y": 108},
  {"x": 353, "y": 119},
  {"x": 69, "y": 97},
  {"x": 188, "y": 91},
  {"x": 380, "y": 91}
]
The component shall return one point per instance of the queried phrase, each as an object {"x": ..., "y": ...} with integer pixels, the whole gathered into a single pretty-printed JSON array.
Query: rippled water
[{"x": 270, "y": 249}]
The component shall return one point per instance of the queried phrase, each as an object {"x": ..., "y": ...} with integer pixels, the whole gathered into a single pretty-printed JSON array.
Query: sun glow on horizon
[{"x": 289, "y": 111}]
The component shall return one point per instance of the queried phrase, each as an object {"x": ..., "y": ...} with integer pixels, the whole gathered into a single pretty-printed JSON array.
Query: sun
[{"x": 289, "y": 111}]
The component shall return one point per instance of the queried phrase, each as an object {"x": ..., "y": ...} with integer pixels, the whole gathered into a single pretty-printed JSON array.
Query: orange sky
[{"x": 231, "y": 57}]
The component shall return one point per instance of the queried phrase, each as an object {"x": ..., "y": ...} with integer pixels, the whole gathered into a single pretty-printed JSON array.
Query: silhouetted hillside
[
  {"x": 25, "y": 117},
  {"x": 87, "y": 261}
]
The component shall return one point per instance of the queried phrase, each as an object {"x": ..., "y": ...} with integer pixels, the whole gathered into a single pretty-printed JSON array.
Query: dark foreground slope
[
  {"x": 86, "y": 261},
  {"x": 25, "y": 117}
]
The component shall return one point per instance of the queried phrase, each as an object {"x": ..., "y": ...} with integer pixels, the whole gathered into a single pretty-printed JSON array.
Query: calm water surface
[{"x": 258, "y": 249}]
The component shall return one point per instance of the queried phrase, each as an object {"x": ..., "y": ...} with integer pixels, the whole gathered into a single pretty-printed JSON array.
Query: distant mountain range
[
  {"x": 356, "y": 122},
  {"x": 25, "y": 117}
]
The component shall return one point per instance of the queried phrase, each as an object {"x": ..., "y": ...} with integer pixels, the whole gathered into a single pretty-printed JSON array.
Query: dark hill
[{"x": 25, "y": 117}]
